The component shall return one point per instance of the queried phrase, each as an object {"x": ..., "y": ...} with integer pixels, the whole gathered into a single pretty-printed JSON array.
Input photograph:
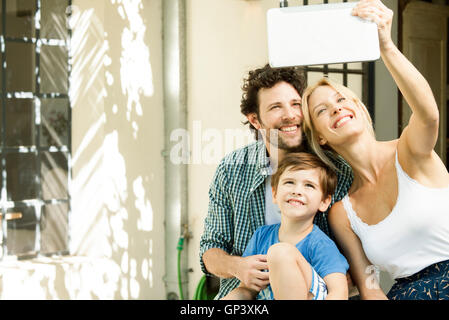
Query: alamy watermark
[
  {"x": 373, "y": 280},
  {"x": 209, "y": 145}
]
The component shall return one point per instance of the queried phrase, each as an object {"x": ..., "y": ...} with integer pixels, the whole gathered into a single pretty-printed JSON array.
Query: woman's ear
[
  {"x": 254, "y": 120},
  {"x": 273, "y": 193},
  {"x": 321, "y": 141}
]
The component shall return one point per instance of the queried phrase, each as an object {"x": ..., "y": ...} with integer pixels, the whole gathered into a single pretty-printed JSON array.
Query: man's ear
[
  {"x": 324, "y": 204},
  {"x": 254, "y": 120}
]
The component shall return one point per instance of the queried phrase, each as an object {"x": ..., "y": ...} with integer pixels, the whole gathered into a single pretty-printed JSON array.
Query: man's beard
[
  {"x": 295, "y": 148},
  {"x": 278, "y": 142}
]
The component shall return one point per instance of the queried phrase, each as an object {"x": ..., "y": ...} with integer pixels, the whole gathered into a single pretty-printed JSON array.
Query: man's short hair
[
  {"x": 296, "y": 161},
  {"x": 268, "y": 77}
]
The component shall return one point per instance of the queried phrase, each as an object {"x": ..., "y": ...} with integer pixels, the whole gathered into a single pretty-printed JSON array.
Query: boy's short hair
[{"x": 296, "y": 161}]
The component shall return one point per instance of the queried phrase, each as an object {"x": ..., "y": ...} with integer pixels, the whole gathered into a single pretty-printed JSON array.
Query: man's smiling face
[{"x": 279, "y": 110}]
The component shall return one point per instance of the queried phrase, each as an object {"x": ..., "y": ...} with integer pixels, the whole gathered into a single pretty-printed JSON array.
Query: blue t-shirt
[{"x": 317, "y": 248}]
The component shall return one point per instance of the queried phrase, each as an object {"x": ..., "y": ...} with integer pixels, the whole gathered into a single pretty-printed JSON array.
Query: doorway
[{"x": 423, "y": 38}]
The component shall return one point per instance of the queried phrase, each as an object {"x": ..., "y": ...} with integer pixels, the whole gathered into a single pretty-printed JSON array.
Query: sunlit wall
[
  {"x": 117, "y": 140},
  {"x": 116, "y": 224}
]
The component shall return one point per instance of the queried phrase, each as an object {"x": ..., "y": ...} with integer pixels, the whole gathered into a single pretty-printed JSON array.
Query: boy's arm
[{"x": 337, "y": 286}]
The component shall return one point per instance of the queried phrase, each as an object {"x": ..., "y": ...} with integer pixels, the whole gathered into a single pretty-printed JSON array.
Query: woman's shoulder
[
  {"x": 390, "y": 144},
  {"x": 387, "y": 149},
  {"x": 337, "y": 214}
]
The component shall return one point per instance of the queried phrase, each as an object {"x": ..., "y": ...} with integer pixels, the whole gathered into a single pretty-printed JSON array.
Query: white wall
[{"x": 117, "y": 233}]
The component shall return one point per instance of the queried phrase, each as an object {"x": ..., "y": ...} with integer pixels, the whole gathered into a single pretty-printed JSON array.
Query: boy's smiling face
[{"x": 299, "y": 194}]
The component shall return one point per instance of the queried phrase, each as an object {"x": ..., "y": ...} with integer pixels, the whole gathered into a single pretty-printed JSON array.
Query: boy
[{"x": 303, "y": 262}]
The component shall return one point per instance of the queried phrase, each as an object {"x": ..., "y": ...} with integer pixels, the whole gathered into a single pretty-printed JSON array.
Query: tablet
[{"x": 320, "y": 34}]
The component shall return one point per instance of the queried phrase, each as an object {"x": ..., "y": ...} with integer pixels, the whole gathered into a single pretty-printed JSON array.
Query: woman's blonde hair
[{"x": 309, "y": 129}]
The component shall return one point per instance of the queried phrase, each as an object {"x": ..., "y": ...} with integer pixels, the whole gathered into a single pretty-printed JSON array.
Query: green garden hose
[
  {"x": 201, "y": 292},
  {"x": 201, "y": 289}
]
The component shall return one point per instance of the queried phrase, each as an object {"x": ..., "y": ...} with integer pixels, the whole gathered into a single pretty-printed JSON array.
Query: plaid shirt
[{"x": 237, "y": 203}]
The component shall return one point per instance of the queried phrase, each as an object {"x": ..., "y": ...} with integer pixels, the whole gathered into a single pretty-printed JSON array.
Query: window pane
[
  {"x": 315, "y": 1},
  {"x": 21, "y": 176},
  {"x": 53, "y": 19},
  {"x": 336, "y": 77},
  {"x": 19, "y": 122},
  {"x": 355, "y": 66},
  {"x": 54, "y": 228},
  {"x": 21, "y": 230},
  {"x": 336, "y": 66},
  {"x": 313, "y": 77},
  {"x": 54, "y": 175},
  {"x": 355, "y": 83},
  {"x": 20, "y": 18},
  {"x": 54, "y": 122},
  {"x": 54, "y": 73},
  {"x": 20, "y": 64}
]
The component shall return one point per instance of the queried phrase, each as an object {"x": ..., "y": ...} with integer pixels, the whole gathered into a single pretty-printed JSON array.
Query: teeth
[
  {"x": 288, "y": 129},
  {"x": 341, "y": 121}
]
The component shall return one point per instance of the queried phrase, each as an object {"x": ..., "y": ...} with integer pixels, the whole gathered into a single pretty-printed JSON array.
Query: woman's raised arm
[{"x": 421, "y": 134}]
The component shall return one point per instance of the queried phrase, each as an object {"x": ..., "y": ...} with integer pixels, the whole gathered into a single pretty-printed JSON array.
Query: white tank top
[{"x": 413, "y": 236}]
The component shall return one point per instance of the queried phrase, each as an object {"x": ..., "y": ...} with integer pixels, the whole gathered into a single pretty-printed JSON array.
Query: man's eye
[
  {"x": 288, "y": 182},
  {"x": 297, "y": 104}
]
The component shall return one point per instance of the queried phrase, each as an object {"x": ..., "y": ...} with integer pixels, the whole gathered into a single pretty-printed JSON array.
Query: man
[{"x": 240, "y": 197}]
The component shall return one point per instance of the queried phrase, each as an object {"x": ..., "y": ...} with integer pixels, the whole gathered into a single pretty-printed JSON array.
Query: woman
[{"x": 396, "y": 214}]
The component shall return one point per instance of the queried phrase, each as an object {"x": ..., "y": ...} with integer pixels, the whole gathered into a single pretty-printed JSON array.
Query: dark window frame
[{"x": 36, "y": 149}]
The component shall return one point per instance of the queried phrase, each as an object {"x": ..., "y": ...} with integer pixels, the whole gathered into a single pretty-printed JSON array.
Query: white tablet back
[{"x": 320, "y": 34}]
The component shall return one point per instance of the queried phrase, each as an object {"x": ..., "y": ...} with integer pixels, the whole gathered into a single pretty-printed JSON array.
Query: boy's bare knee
[{"x": 282, "y": 251}]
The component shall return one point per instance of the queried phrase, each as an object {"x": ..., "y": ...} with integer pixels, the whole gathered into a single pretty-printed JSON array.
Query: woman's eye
[
  {"x": 308, "y": 185},
  {"x": 288, "y": 182},
  {"x": 341, "y": 99},
  {"x": 320, "y": 111},
  {"x": 297, "y": 104}
]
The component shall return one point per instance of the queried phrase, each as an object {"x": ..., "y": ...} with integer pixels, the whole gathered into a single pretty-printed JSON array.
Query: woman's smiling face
[{"x": 335, "y": 117}]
